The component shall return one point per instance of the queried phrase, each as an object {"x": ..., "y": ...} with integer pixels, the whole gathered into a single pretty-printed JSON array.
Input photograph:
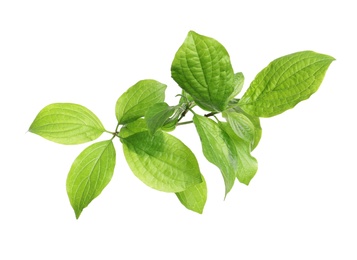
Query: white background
[{"x": 300, "y": 205}]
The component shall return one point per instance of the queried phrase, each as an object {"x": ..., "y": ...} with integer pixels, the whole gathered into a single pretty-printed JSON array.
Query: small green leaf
[
  {"x": 247, "y": 165},
  {"x": 157, "y": 115},
  {"x": 238, "y": 84},
  {"x": 170, "y": 125},
  {"x": 255, "y": 121},
  {"x": 134, "y": 103},
  {"x": 257, "y": 127},
  {"x": 67, "y": 123},
  {"x": 284, "y": 83},
  {"x": 218, "y": 148},
  {"x": 185, "y": 98},
  {"x": 90, "y": 173},
  {"x": 161, "y": 161},
  {"x": 203, "y": 69},
  {"x": 194, "y": 197},
  {"x": 137, "y": 126},
  {"x": 241, "y": 125}
]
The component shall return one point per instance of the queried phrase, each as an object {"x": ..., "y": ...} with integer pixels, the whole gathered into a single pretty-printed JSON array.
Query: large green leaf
[
  {"x": 203, "y": 69},
  {"x": 67, "y": 123},
  {"x": 90, "y": 173},
  {"x": 218, "y": 148},
  {"x": 158, "y": 115},
  {"x": 194, "y": 197},
  {"x": 134, "y": 103},
  {"x": 284, "y": 83},
  {"x": 161, "y": 161},
  {"x": 247, "y": 165}
]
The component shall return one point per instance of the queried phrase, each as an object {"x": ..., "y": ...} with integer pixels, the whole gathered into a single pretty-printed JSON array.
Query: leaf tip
[
  {"x": 246, "y": 182},
  {"x": 192, "y": 32},
  {"x": 199, "y": 211},
  {"x": 246, "y": 179},
  {"x": 225, "y": 194},
  {"x": 78, "y": 213}
]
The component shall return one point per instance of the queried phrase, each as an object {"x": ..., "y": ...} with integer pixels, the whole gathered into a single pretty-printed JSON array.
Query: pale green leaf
[
  {"x": 255, "y": 121},
  {"x": 185, "y": 98},
  {"x": 67, "y": 123},
  {"x": 284, "y": 83},
  {"x": 184, "y": 103},
  {"x": 203, "y": 69},
  {"x": 247, "y": 165},
  {"x": 218, "y": 148},
  {"x": 157, "y": 115},
  {"x": 161, "y": 161},
  {"x": 238, "y": 84},
  {"x": 134, "y": 103},
  {"x": 194, "y": 197},
  {"x": 241, "y": 125},
  {"x": 257, "y": 129},
  {"x": 137, "y": 126},
  {"x": 90, "y": 173}
]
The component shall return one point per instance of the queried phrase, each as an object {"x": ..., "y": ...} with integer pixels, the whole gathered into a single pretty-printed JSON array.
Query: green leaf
[
  {"x": 257, "y": 127},
  {"x": 194, "y": 197},
  {"x": 170, "y": 125},
  {"x": 134, "y": 103},
  {"x": 90, "y": 173},
  {"x": 137, "y": 126},
  {"x": 218, "y": 148},
  {"x": 238, "y": 84},
  {"x": 67, "y": 123},
  {"x": 203, "y": 69},
  {"x": 241, "y": 125},
  {"x": 161, "y": 161},
  {"x": 284, "y": 83},
  {"x": 185, "y": 98},
  {"x": 157, "y": 116},
  {"x": 255, "y": 121},
  {"x": 247, "y": 165}
]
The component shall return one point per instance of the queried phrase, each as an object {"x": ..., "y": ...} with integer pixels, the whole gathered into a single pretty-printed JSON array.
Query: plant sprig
[{"x": 203, "y": 70}]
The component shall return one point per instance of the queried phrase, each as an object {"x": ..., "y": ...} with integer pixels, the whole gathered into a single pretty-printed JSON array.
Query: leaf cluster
[{"x": 203, "y": 70}]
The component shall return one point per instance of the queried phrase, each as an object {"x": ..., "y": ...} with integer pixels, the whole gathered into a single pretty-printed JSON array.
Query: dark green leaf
[
  {"x": 203, "y": 69},
  {"x": 170, "y": 125}
]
